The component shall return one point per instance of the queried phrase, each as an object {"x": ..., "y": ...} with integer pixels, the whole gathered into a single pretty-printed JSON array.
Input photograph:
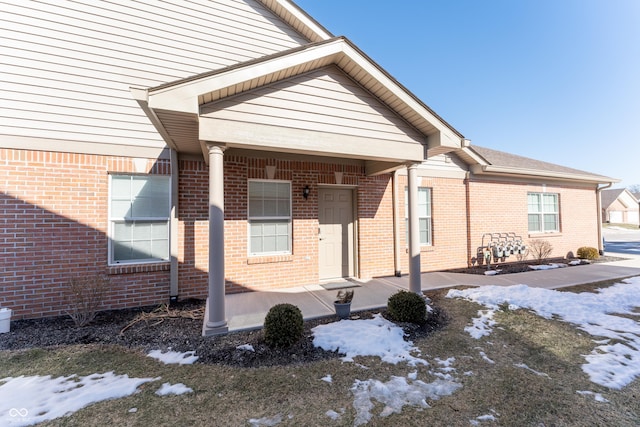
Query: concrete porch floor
[{"x": 246, "y": 311}]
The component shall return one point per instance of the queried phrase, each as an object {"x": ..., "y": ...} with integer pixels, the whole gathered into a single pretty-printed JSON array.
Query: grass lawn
[{"x": 491, "y": 370}]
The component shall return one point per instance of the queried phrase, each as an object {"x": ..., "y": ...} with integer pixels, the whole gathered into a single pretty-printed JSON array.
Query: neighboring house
[
  {"x": 620, "y": 206},
  {"x": 195, "y": 149}
]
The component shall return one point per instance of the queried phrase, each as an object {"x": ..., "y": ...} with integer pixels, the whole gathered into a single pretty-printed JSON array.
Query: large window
[
  {"x": 139, "y": 211},
  {"x": 269, "y": 217},
  {"x": 544, "y": 212},
  {"x": 424, "y": 214}
]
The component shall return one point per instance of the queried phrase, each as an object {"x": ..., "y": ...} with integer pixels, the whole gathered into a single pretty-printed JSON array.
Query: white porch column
[
  {"x": 415, "y": 284},
  {"x": 215, "y": 321}
]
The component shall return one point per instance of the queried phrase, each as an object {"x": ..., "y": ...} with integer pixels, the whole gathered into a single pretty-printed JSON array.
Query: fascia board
[
  {"x": 556, "y": 176},
  {"x": 300, "y": 17},
  {"x": 447, "y": 136}
]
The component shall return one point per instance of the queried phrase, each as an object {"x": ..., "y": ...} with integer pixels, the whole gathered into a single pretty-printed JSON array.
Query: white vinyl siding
[
  {"x": 424, "y": 214},
  {"x": 269, "y": 217},
  {"x": 324, "y": 100},
  {"x": 67, "y": 67},
  {"x": 544, "y": 212},
  {"x": 139, "y": 212}
]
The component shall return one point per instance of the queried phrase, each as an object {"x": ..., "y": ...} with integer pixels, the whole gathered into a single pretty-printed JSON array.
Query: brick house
[
  {"x": 193, "y": 150},
  {"x": 620, "y": 206}
]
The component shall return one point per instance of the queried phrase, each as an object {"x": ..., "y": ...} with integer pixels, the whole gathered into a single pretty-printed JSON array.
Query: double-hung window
[
  {"x": 424, "y": 214},
  {"x": 269, "y": 217},
  {"x": 139, "y": 211},
  {"x": 544, "y": 212}
]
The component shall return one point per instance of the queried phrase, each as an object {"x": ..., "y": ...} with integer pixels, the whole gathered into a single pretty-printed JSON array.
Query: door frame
[{"x": 355, "y": 232}]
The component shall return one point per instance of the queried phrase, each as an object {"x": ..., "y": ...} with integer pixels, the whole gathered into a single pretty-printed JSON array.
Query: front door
[{"x": 335, "y": 217}]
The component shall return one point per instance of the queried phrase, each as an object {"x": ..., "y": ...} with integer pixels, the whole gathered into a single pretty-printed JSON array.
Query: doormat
[{"x": 339, "y": 285}]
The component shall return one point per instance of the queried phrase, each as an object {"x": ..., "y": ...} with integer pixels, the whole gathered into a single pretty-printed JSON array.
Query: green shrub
[
  {"x": 407, "y": 307},
  {"x": 283, "y": 325},
  {"x": 587, "y": 252}
]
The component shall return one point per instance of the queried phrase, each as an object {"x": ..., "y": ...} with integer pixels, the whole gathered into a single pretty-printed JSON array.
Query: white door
[
  {"x": 615, "y": 217},
  {"x": 335, "y": 217}
]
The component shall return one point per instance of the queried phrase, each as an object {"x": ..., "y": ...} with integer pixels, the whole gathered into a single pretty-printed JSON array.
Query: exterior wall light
[{"x": 305, "y": 192}]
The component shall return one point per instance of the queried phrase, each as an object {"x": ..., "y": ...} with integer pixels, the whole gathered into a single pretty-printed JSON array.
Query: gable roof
[
  {"x": 609, "y": 196},
  {"x": 175, "y": 107},
  {"x": 486, "y": 161}
]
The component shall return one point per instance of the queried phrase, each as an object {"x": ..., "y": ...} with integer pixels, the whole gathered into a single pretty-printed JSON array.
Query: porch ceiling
[{"x": 175, "y": 108}]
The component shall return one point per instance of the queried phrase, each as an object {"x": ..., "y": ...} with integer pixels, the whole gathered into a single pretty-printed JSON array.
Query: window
[
  {"x": 424, "y": 214},
  {"x": 544, "y": 215},
  {"x": 139, "y": 211},
  {"x": 269, "y": 217}
]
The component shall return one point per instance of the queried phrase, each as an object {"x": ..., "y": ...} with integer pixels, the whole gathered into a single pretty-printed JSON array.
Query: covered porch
[{"x": 325, "y": 102}]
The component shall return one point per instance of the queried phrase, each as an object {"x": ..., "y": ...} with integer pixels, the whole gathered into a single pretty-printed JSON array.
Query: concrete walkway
[{"x": 247, "y": 310}]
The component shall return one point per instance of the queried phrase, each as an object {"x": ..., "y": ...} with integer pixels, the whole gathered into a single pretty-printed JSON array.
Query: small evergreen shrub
[
  {"x": 407, "y": 307},
  {"x": 283, "y": 325},
  {"x": 587, "y": 252}
]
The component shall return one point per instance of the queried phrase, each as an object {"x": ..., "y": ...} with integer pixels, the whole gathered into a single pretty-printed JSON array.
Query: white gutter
[{"x": 599, "y": 207}]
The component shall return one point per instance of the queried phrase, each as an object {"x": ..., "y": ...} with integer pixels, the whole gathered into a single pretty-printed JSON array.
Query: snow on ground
[
  {"x": 30, "y": 400},
  {"x": 368, "y": 337},
  {"x": 547, "y": 266},
  {"x": 482, "y": 325},
  {"x": 174, "y": 357},
  {"x": 246, "y": 347},
  {"x": 615, "y": 362},
  {"x": 175, "y": 389},
  {"x": 381, "y": 338},
  {"x": 395, "y": 394}
]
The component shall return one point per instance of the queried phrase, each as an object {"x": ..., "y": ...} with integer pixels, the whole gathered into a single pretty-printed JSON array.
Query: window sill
[
  {"x": 269, "y": 259},
  {"x": 545, "y": 235},
  {"x": 138, "y": 268}
]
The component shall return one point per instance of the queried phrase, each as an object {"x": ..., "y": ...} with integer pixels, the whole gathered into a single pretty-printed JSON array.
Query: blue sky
[{"x": 555, "y": 80}]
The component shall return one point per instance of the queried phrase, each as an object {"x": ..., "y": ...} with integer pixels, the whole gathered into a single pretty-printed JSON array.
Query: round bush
[
  {"x": 283, "y": 325},
  {"x": 587, "y": 252},
  {"x": 407, "y": 307}
]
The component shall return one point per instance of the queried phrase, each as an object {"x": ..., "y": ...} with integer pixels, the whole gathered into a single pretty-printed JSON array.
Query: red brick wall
[
  {"x": 53, "y": 225},
  {"x": 449, "y": 224},
  {"x": 498, "y": 207}
]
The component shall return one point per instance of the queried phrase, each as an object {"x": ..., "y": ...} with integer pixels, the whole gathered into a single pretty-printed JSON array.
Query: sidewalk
[{"x": 247, "y": 310}]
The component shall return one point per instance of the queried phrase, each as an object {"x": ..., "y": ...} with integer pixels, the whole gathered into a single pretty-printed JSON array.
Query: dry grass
[{"x": 225, "y": 396}]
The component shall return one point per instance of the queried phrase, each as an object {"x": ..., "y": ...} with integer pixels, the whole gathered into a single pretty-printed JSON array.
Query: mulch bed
[
  {"x": 521, "y": 267},
  {"x": 182, "y": 331}
]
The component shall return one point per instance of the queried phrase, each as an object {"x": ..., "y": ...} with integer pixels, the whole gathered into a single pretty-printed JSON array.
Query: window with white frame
[
  {"x": 269, "y": 217},
  {"x": 424, "y": 214},
  {"x": 139, "y": 210},
  {"x": 544, "y": 212}
]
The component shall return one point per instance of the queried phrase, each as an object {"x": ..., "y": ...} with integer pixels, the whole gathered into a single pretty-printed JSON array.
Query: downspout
[
  {"x": 599, "y": 206},
  {"x": 396, "y": 224},
  {"x": 173, "y": 228},
  {"x": 467, "y": 194}
]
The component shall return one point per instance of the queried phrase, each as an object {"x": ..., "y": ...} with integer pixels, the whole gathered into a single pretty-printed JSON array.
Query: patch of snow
[
  {"x": 176, "y": 389},
  {"x": 575, "y": 262},
  {"x": 611, "y": 364},
  {"x": 482, "y": 325},
  {"x": 486, "y": 358},
  {"x": 133, "y": 410},
  {"x": 30, "y": 400},
  {"x": 174, "y": 357},
  {"x": 266, "y": 421},
  {"x": 327, "y": 379},
  {"x": 481, "y": 418},
  {"x": 367, "y": 337},
  {"x": 524, "y": 366},
  {"x": 596, "y": 396},
  {"x": 413, "y": 375},
  {"x": 333, "y": 414},
  {"x": 246, "y": 347},
  {"x": 395, "y": 394},
  {"x": 491, "y": 272}
]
